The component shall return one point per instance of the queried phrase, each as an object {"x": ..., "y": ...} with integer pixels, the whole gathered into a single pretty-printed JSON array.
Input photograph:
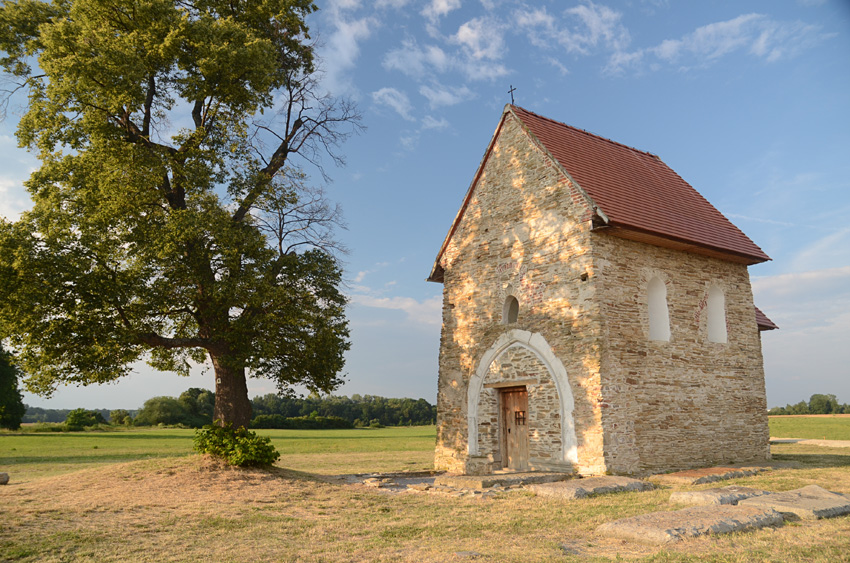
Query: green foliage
[
  {"x": 388, "y": 412},
  {"x": 818, "y": 404},
  {"x": 120, "y": 416},
  {"x": 168, "y": 222},
  {"x": 299, "y": 422},
  {"x": 236, "y": 446},
  {"x": 194, "y": 408},
  {"x": 12, "y": 408},
  {"x": 82, "y": 418}
]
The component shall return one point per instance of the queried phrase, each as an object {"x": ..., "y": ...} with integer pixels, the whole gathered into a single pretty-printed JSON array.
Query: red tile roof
[
  {"x": 763, "y": 322},
  {"x": 638, "y": 194}
]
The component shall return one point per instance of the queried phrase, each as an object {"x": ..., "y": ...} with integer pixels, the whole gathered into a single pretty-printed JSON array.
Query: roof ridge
[{"x": 585, "y": 131}]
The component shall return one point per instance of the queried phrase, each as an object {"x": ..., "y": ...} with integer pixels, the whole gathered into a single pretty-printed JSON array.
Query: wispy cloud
[
  {"x": 427, "y": 312},
  {"x": 438, "y": 95},
  {"x": 415, "y": 61},
  {"x": 436, "y": 9},
  {"x": 394, "y": 99},
  {"x": 754, "y": 34},
  {"x": 582, "y": 30},
  {"x": 342, "y": 48},
  {"x": 833, "y": 248},
  {"x": 482, "y": 38}
]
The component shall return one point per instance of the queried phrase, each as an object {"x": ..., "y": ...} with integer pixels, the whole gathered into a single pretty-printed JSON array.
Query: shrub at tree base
[{"x": 238, "y": 446}]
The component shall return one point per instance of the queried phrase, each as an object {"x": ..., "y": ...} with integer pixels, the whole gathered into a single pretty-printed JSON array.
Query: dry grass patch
[{"x": 195, "y": 509}]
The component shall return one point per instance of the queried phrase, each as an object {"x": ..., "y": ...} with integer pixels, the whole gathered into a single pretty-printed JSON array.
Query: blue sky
[{"x": 749, "y": 101}]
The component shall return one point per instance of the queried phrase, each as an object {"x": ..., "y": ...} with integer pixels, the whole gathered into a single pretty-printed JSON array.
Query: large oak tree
[{"x": 170, "y": 222}]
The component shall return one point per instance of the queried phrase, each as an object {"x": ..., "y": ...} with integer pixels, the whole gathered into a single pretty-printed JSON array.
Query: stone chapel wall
[
  {"x": 525, "y": 233},
  {"x": 687, "y": 402}
]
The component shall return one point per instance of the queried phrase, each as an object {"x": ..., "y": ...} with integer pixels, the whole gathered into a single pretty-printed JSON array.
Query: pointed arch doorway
[{"x": 520, "y": 407}]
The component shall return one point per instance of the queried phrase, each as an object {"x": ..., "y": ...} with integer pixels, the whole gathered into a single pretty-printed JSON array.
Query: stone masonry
[{"x": 602, "y": 396}]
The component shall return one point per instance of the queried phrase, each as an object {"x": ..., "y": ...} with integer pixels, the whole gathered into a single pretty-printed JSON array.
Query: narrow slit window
[
  {"x": 659, "y": 317},
  {"x": 510, "y": 311},
  {"x": 716, "y": 311}
]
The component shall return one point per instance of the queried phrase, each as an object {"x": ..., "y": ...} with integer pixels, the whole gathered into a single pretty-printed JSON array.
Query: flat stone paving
[
  {"x": 707, "y": 475},
  {"x": 809, "y": 503},
  {"x": 718, "y": 495},
  {"x": 502, "y": 480},
  {"x": 666, "y": 527},
  {"x": 581, "y": 488}
]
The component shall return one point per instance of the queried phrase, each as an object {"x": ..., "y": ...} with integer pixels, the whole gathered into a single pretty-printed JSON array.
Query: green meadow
[{"x": 811, "y": 427}]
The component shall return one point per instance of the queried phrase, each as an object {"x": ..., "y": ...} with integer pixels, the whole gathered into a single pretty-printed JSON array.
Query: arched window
[
  {"x": 716, "y": 315},
  {"x": 510, "y": 310},
  {"x": 659, "y": 318}
]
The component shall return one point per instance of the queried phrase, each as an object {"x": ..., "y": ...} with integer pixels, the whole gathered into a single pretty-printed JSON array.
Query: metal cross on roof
[{"x": 511, "y": 92}]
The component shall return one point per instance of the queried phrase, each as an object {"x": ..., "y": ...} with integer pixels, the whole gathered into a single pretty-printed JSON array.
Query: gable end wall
[
  {"x": 687, "y": 402},
  {"x": 525, "y": 232}
]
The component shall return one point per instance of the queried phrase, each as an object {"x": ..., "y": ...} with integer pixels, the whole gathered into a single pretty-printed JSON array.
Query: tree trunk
[{"x": 231, "y": 394}]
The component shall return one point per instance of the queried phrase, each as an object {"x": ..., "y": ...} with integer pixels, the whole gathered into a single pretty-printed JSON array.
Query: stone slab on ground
[
  {"x": 4, "y": 478},
  {"x": 503, "y": 480},
  {"x": 707, "y": 475},
  {"x": 809, "y": 503},
  {"x": 581, "y": 488},
  {"x": 667, "y": 527},
  {"x": 718, "y": 495}
]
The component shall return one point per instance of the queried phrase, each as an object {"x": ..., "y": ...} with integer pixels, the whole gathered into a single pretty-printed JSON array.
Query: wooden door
[{"x": 514, "y": 428}]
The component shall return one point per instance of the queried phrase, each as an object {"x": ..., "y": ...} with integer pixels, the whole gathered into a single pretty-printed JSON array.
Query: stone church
[{"x": 597, "y": 315}]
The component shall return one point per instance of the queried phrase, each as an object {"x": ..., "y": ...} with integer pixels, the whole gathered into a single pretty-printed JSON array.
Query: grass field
[
  {"x": 140, "y": 495},
  {"x": 812, "y": 427}
]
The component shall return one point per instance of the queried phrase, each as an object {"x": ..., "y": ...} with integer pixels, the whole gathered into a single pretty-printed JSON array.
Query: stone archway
[{"x": 538, "y": 347}]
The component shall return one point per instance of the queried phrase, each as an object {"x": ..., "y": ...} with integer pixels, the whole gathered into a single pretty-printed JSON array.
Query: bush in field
[
  {"x": 80, "y": 418},
  {"x": 238, "y": 446},
  {"x": 120, "y": 416},
  {"x": 160, "y": 410}
]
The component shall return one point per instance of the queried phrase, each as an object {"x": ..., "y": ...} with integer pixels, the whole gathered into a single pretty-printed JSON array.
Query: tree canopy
[
  {"x": 170, "y": 222},
  {"x": 12, "y": 408}
]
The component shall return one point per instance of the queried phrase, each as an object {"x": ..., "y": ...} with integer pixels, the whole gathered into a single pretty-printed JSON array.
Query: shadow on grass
[
  {"x": 98, "y": 435},
  {"x": 814, "y": 460},
  {"x": 86, "y": 459}
]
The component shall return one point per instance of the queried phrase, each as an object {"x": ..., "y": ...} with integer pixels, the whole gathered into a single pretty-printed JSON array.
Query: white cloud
[
  {"x": 339, "y": 55},
  {"x": 481, "y": 38},
  {"x": 427, "y": 312},
  {"x": 429, "y": 122},
  {"x": 394, "y": 99},
  {"x": 439, "y": 8},
  {"x": 397, "y": 4},
  {"x": 754, "y": 34},
  {"x": 439, "y": 95},
  {"x": 584, "y": 28},
  {"x": 417, "y": 62}
]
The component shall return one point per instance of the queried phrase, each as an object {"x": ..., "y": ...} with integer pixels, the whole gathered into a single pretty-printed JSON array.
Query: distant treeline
[
  {"x": 38, "y": 414},
  {"x": 194, "y": 408},
  {"x": 360, "y": 410},
  {"x": 818, "y": 404}
]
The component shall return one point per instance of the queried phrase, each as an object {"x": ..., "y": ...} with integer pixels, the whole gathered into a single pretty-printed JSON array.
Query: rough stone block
[
  {"x": 504, "y": 480},
  {"x": 707, "y": 475},
  {"x": 809, "y": 503},
  {"x": 667, "y": 527},
  {"x": 719, "y": 495},
  {"x": 581, "y": 488},
  {"x": 4, "y": 478}
]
